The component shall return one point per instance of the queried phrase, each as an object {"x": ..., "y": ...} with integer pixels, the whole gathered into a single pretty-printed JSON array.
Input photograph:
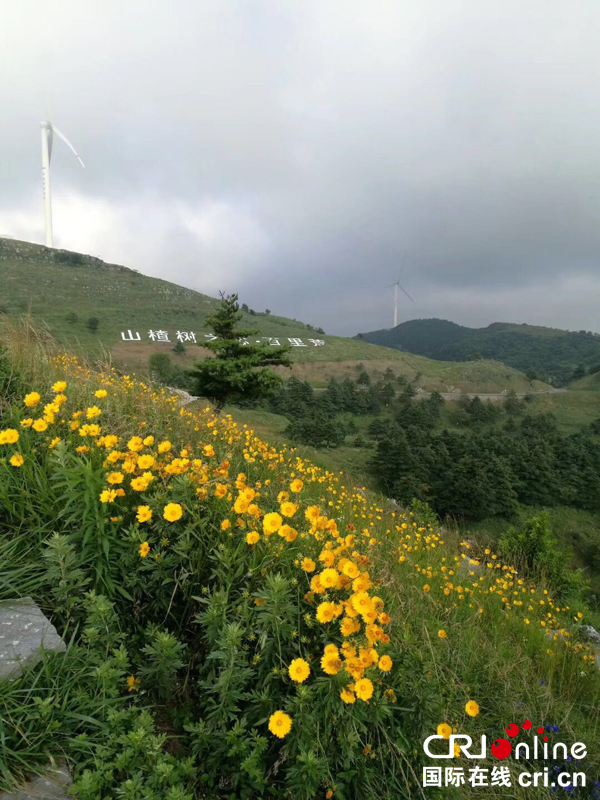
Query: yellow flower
[
  {"x": 148, "y": 441},
  {"x": 40, "y": 425},
  {"x": 145, "y": 462},
  {"x": 308, "y": 565},
  {"x": 172, "y": 512},
  {"x": 348, "y": 696},
  {"x": 17, "y": 460},
  {"x": 325, "y": 612},
  {"x": 288, "y": 509},
  {"x": 32, "y": 399},
  {"x": 9, "y": 436},
  {"x": 271, "y": 523},
  {"x": 442, "y": 633},
  {"x": 331, "y": 663},
  {"x": 100, "y": 393},
  {"x": 92, "y": 412},
  {"x": 135, "y": 444},
  {"x": 350, "y": 570},
  {"x": 144, "y": 514},
  {"x": 472, "y": 708},
  {"x": 114, "y": 477},
  {"x": 144, "y": 549},
  {"x": 253, "y": 537},
  {"x": 426, "y": 588},
  {"x": 241, "y": 504},
  {"x": 364, "y": 689},
  {"x": 108, "y": 496},
  {"x": 385, "y": 663},
  {"x": 296, "y": 485},
  {"x": 329, "y": 578},
  {"x": 139, "y": 484},
  {"x": 280, "y": 724},
  {"x": 165, "y": 446},
  {"x": 54, "y": 442},
  {"x": 208, "y": 450},
  {"x": 443, "y": 729},
  {"x": 220, "y": 490},
  {"x": 25, "y": 423},
  {"x": 59, "y": 386},
  {"x": 133, "y": 684},
  {"x": 299, "y": 670}
]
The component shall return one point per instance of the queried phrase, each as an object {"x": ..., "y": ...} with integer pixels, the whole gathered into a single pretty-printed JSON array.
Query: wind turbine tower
[
  {"x": 48, "y": 131},
  {"x": 397, "y": 286}
]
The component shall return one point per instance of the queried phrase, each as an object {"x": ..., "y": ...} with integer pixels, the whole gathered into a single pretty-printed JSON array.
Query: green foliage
[
  {"x": 239, "y": 370},
  {"x": 317, "y": 430},
  {"x": 92, "y": 324},
  {"x": 161, "y": 367},
  {"x": 535, "y": 551},
  {"x": 164, "y": 656}
]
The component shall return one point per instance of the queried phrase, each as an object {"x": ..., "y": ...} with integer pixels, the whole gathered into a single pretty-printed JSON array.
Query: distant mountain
[{"x": 549, "y": 354}]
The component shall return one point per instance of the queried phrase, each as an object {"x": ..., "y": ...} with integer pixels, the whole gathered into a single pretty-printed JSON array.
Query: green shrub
[{"x": 534, "y": 550}]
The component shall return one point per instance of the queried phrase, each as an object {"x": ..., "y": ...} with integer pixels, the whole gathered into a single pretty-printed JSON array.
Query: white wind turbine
[
  {"x": 396, "y": 286},
  {"x": 48, "y": 131}
]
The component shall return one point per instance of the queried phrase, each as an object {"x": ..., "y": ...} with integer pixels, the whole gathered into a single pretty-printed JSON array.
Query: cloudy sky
[{"x": 306, "y": 153}]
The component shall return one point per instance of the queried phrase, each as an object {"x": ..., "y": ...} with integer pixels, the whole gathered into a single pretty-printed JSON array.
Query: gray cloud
[{"x": 300, "y": 153}]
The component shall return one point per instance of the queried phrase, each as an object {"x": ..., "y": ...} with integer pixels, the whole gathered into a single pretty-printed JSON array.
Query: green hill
[
  {"x": 549, "y": 353},
  {"x": 65, "y": 290}
]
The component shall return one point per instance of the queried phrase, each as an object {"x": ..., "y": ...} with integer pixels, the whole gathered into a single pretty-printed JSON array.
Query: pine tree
[{"x": 239, "y": 371}]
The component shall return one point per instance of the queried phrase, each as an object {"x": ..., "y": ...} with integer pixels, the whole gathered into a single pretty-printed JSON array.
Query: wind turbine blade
[
  {"x": 407, "y": 294},
  {"x": 68, "y": 143}
]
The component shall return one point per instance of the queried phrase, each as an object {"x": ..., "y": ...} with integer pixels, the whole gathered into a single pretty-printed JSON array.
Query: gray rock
[
  {"x": 24, "y": 633},
  {"x": 589, "y": 633},
  {"x": 468, "y": 566},
  {"x": 52, "y": 785},
  {"x": 555, "y": 635},
  {"x": 184, "y": 397}
]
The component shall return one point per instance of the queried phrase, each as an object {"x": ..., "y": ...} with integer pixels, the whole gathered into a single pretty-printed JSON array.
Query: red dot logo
[
  {"x": 540, "y": 730},
  {"x": 512, "y": 730},
  {"x": 501, "y": 748},
  {"x": 527, "y": 725}
]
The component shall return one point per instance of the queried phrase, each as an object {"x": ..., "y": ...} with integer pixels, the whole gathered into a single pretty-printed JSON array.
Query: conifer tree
[{"x": 239, "y": 371}]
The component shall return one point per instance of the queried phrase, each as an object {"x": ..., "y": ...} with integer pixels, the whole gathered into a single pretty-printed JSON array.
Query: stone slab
[
  {"x": 52, "y": 785},
  {"x": 24, "y": 633}
]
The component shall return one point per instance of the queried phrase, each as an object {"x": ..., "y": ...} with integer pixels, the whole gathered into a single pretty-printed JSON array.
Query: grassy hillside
[
  {"x": 551, "y": 353},
  {"x": 64, "y": 290},
  {"x": 257, "y": 627},
  {"x": 591, "y": 383}
]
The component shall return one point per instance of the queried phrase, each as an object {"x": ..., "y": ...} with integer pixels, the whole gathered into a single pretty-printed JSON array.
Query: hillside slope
[
  {"x": 64, "y": 290},
  {"x": 551, "y": 353},
  {"x": 323, "y": 626}
]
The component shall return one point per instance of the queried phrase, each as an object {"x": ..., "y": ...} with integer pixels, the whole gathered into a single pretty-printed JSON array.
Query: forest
[{"x": 493, "y": 458}]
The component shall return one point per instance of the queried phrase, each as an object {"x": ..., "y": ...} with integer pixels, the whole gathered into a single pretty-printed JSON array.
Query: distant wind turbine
[
  {"x": 48, "y": 131},
  {"x": 397, "y": 286}
]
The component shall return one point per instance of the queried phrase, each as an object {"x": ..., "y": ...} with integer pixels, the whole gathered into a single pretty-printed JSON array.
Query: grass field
[{"x": 34, "y": 280}]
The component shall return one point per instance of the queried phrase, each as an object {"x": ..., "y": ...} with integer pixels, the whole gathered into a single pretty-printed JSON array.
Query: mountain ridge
[{"x": 549, "y": 354}]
